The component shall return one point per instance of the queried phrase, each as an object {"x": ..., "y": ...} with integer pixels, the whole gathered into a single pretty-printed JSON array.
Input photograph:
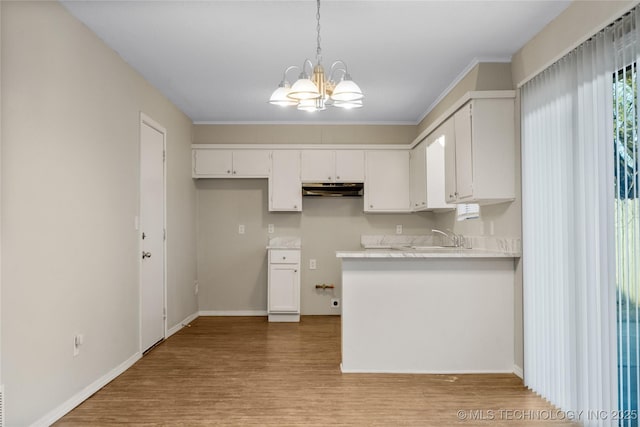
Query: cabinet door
[
  {"x": 350, "y": 166},
  {"x": 386, "y": 186},
  {"x": 436, "y": 171},
  {"x": 318, "y": 166},
  {"x": 450, "y": 161},
  {"x": 251, "y": 163},
  {"x": 464, "y": 157},
  {"x": 285, "y": 188},
  {"x": 211, "y": 162},
  {"x": 418, "y": 171},
  {"x": 284, "y": 284}
]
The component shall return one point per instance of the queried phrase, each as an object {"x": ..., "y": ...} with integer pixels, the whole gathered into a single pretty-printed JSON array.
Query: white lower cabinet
[{"x": 284, "y": 285}]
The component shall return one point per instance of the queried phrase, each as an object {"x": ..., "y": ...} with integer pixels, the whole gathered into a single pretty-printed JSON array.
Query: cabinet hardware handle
[
  {"x": 228, "y": 171},
  {"x": 371, "y": 206},
  {"x": 234, "y": 172},
  {"x": 146, "y": 255},
  {"x": 295, "y": 271},
  {"x": 337, "y": 177},
  {"x": 329, "y": 178},
  {"x": 295, "y": 206},
  {"x": 284, "y": 257}
]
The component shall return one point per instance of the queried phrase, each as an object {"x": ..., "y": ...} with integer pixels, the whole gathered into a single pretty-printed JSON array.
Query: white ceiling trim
[
  {"x": 463, "y": 73},
  {"x": 269, "y": 122}
]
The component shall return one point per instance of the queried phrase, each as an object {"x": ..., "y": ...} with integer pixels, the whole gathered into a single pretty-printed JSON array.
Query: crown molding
[
  {"x": 463, "y": 73},
  {"x": 248, "y": 122}
]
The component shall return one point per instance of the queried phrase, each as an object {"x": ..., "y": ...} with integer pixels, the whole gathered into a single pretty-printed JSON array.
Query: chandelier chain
[{"x": 318, "y": 49}]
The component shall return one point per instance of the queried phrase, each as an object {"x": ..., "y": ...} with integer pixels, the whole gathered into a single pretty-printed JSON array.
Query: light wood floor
[{"x": 246, "y": 371}]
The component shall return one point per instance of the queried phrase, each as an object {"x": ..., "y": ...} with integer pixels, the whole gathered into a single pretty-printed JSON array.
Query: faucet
[{"x": 456, "y": 239}]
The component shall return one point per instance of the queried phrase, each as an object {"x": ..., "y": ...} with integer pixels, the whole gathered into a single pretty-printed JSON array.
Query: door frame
[{"x": 146, "y": 120}]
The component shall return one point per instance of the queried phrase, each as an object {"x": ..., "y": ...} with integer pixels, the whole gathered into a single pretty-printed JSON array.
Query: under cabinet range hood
[{"x": 331, "y": 189}]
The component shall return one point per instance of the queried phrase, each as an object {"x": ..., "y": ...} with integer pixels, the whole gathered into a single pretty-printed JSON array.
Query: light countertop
[
  {"x": 426, "y": 253},
  {"x": 284, "y": 243}
]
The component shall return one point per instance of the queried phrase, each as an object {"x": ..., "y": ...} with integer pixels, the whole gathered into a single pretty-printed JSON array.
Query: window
[{"x": 627, "y": 239}]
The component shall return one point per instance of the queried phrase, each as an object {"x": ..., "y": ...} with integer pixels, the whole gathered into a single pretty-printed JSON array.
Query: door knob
[{"x": 146, "y": 255}]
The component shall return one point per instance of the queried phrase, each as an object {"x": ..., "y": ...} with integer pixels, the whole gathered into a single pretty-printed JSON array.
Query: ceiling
[{"x": 219, "y": 61}]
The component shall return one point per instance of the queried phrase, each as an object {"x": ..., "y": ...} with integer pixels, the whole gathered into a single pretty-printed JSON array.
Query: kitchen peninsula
[{"x": 430, "y": 310}]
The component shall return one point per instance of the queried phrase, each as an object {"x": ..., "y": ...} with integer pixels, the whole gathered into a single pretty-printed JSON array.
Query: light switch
[
  {"x": 399, "y": 229},
  {"x": 312, "y": 264},
  {"x": 271, "y": 228},
  {"x": 241, "y": 229}
]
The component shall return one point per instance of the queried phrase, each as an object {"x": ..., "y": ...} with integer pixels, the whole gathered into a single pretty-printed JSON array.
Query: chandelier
[{"x": 313, "y": 91}]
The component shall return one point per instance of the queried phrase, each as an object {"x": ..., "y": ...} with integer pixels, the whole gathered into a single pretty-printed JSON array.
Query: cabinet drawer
[{"x": 284, "y": 256}]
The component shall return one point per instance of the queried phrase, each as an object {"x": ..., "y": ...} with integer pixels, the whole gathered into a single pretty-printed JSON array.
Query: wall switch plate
[
  {"x": 241, "y": 229},
  {"x": 196, "y": 287},
  {"x": 78, "y": 340},
  {"x": 271, "y": 229},
  {"x": 399, "y": 229},
  {"x": 312, "y": 264},
  {"x": 335, "y": 302}
]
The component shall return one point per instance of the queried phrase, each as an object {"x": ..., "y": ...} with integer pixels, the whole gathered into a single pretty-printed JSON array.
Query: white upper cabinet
[
  {"x": 350, "y": 166},
  {"x": 252, "y": 163},
  {"x": 318, "y": 166},
  {"x": 212, "y": 162},
  {"x": 285, "y": 186},
  {"x": 480, "y": 165},
  {"x": 436, "y": 143},
  {"x": 418, "y": 171},
  {"x": 386, "y": 187},
  {"x": 215, "y": 163},
  {"x": 332, "y": 166}
]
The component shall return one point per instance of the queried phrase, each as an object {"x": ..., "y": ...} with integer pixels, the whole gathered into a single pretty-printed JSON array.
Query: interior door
[{"x": 152, "y": 140}]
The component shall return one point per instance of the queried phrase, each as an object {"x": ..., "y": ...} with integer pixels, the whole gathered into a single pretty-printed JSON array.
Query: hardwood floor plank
[{"x": 245, "y": 371}]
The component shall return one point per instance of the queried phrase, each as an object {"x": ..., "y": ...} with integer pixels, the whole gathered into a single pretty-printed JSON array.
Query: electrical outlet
[
  {"x": 196, "y": 287},
  {"x": 271, "y": 229},
  {"x": 399, "y": 229},
  {"x": 312, "y": 264},
  {"x": 335, "y": 302},
  {"x": 241, "y": 229}
]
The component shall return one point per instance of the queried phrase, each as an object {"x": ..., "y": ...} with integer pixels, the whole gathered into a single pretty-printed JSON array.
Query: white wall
[
  {"x": 577, "y": 23},
  {"x": 232, "y": 268},
  {"x": 70, "y": 135}
]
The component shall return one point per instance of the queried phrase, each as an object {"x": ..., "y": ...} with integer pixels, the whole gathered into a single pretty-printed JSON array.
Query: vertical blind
[{"x": 577, "y": 263}]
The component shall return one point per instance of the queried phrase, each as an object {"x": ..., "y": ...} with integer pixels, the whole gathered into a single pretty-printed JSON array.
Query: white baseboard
[
  {"x": 233, "y": 313},
  {"x": 421, "y": 371},
  {"x": 85, "y": 393},
  {"x": 181, "y": 324},
  {"x": 518, "y": 371}
]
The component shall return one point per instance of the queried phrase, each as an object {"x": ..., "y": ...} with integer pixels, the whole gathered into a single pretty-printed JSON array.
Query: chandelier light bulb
[
  {"x": 280, "y": 96},
  {"x": 304, "y": 88},
  {"x": 347, "y": 90}
]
